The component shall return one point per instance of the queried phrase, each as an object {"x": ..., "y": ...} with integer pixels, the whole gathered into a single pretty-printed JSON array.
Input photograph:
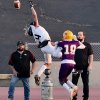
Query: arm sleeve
[
  {"x": 10, "y": 62},
  {"x": 32, "y": 57},
  {"x": 80, "y": 45},
  {"x": 59, "y": 43}
]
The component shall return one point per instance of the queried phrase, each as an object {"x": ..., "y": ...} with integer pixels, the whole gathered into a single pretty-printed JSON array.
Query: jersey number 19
[{"x": 70, "y": 49}]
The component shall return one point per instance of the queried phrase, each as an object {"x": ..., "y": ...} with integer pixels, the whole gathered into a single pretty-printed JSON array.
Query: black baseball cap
[{"x": 20, "y": 43}]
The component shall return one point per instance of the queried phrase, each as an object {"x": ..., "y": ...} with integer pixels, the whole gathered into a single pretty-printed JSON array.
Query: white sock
[
  {"x": 70, "y": 84},
  {"x": 67, "y": 87},
  {"x": 41, "y": 70}
]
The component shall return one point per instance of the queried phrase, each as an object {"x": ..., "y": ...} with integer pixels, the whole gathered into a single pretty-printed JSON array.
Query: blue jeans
[{"x": 13, "y": 82}]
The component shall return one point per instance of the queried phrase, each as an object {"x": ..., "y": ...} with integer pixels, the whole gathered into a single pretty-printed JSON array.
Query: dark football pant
[
  {"x": 85, "y": 80},
  {"x": 64, "y": 72}
]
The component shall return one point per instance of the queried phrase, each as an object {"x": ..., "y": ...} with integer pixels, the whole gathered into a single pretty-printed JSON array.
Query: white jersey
[{"x": 39, "y": 34}]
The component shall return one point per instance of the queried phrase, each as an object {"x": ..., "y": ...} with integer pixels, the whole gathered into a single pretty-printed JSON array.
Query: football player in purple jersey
[{"x": 68, "y": 45}]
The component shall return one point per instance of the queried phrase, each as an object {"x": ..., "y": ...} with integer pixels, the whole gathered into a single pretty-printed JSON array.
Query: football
[{"x": 17, "y": 4}]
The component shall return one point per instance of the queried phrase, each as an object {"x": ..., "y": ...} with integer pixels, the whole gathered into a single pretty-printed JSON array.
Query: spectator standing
[
  {"x": 84, "y": 63},
  {"x": 20, "y": 65}
]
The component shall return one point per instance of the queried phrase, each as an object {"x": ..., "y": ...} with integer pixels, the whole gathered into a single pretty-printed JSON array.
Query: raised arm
[
  {"x": 34, "y": 15},
  {"x": 82, "y": 46}
]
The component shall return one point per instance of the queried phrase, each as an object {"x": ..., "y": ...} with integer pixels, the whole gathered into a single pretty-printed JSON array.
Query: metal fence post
[{"x": 47, "y": 87}]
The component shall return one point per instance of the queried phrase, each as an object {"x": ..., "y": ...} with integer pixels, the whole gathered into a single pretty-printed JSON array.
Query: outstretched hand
[
  {"x": 31, "y": 3},
  {"x": 90, "y": 68},
  {"x": 75, "y": 37}
]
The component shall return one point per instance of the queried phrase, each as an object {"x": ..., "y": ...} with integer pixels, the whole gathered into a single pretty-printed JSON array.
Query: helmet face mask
[{"x": 68, "y": 35}]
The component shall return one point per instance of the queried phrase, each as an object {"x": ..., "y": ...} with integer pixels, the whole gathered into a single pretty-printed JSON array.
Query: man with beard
[
  {"x": 84, "y": 62},
  {"x": 20, "y": 65}
]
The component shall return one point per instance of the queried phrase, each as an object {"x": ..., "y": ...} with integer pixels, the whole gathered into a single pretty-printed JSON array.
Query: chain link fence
[
  {"x": 96, "y": 51},
  {"x": 39, "y": 55}
]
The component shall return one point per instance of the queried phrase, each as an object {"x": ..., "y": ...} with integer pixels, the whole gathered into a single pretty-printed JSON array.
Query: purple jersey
[{"x": 68, "y": 49}]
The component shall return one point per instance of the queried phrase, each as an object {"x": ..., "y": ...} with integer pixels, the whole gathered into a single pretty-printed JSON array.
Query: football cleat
[
  {"x": 37, "y": 80},
  {"x": 68, "y": 35}
]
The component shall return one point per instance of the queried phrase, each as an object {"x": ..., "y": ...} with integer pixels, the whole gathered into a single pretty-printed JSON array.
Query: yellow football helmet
[{"x": 68, "y": 35}]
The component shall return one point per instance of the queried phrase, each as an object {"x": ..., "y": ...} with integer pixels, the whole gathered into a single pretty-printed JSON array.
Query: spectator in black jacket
[
  {"x": 84, "y": 63},
  {"x": 20, "y": 65}
]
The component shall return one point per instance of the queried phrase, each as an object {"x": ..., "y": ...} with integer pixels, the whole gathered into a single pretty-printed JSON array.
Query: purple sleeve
[
  {"x": 32, "y": 57},
  {"x": 78, "y": 43},
  {"x": 59, "y": 44}
]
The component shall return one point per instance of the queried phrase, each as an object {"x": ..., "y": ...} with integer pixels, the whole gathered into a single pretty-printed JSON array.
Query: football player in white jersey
[{"x": 43, "y": 39}]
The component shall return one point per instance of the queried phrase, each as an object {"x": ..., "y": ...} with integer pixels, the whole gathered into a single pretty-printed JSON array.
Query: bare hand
[
  {"x": 75, "y": 37},
  {"x": 15, "y": 73},
  {"x": 31, "y": 72},
  {"x": 89, "y": 68},
  {"x": 53, "y": 43}
]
